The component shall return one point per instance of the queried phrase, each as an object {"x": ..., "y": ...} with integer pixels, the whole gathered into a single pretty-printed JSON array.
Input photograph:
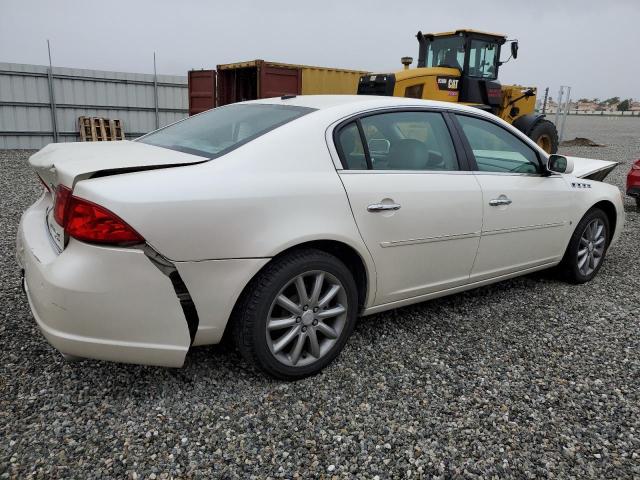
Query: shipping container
[
  {"x": 202, "y": 90},
  {"x": 237, "y": 82}
]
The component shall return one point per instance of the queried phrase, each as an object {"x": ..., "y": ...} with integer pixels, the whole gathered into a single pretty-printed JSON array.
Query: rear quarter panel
[{"x": 273, "y": 193}]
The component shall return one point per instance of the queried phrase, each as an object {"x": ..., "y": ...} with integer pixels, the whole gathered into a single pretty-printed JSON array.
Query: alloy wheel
[
  {"x": 306, "y": 318},
  {"x": 591, "y": 248}
]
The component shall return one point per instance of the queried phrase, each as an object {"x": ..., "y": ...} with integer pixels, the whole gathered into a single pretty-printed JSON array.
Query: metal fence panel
[{"x": 25, "y": 104}]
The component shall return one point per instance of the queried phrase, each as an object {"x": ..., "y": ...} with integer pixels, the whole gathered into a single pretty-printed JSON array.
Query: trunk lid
[
  {"x": 66, "y": 163},
  {"x": 591, "y": 169}
]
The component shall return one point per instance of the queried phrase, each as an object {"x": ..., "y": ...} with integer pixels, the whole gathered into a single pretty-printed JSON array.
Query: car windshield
[
  {"x": 218, "y": 131},
  {"x": 445, "y": 52}
]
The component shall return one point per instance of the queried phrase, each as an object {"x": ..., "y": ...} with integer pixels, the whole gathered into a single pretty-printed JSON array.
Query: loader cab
[{"x": 475, "y": 54}]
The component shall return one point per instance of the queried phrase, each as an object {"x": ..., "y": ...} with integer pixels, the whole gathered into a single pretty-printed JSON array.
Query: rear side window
[
  {"x": 218, "y": 131},
  {"x": 399, "y": 141}
]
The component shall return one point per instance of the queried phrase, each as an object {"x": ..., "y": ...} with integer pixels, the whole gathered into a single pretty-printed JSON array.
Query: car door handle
[
  {"x": 380, "y": 207},
  {"x": 501, "y": 200}
]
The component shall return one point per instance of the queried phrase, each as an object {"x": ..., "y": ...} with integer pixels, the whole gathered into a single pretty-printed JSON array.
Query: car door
[
  {"x": 526, "y": 210},
  {"x": 417, "y": 207}
]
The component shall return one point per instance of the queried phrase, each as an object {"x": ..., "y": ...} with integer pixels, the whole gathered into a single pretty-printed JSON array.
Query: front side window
[
  {"x": 482, "y": 59},
  {"x": 497, "y": 150},
  {"x": 399, "y": 141},
  {"x": 218, "y": 131}
]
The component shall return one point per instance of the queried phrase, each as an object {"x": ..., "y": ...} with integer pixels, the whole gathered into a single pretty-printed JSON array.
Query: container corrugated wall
[
  {"x": 261, "y": 79},
  {"x": 25, "y": 109},
  {"x": 318, "y": 80}
]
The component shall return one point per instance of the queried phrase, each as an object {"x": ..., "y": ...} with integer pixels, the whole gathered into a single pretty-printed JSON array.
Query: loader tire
[{"x": 544, "y": 133}]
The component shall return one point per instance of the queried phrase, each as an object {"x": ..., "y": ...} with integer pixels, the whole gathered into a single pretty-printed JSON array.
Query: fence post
[
  {"x": 155, "y": 90},
  {"x": 52, "y": 100},
  {"x": 564, "y": 114},
  {"x": 559, "y": 102},
  {"x": 544, "y": 103}
]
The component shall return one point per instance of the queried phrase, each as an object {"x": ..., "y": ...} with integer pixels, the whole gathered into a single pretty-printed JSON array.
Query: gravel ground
[{"x": 527, "y": 378}]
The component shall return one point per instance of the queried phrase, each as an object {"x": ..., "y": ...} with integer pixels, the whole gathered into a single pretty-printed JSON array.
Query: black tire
[
  {"x": 252, "y": 311},
  {"x": 544, "y": 133},
  {"x": 638, "y": 203},
  {"x": 568, "y": 268}
]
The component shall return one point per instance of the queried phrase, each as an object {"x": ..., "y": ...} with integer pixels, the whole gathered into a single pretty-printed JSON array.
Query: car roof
[
  {"x": 332, "y": 108},
  {"x": 357, "y": 103}
]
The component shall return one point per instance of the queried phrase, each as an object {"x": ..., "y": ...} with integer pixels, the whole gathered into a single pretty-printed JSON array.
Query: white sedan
[{"x": 280, "y": 221}]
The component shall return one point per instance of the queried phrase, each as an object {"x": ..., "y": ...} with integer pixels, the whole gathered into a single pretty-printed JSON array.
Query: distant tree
[
  {"x": 612, "y": 100},
  {"x": 584, "y": 100},
  {"x": 623, "y": 106},
  {"x": 596, "y": 100}
]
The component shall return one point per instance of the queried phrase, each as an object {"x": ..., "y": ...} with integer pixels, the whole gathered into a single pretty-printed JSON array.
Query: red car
[{"x": 633, "y": 182}]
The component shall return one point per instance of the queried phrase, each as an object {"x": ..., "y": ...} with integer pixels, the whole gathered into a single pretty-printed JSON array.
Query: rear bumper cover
[{"x": 99, "y": 302}]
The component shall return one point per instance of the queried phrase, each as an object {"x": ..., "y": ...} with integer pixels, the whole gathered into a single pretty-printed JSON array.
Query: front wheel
[
  {"x": 544, "y": 133},
  {"x": 297, "y": 314},
  {"x": 587, "y": 247}
]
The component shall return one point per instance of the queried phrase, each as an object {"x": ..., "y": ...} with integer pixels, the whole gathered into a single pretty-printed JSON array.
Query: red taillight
[
  {"x": 636, "y": 166},
  {"x": 63, "y": 194},
  {"x": 89, "y": 222}
]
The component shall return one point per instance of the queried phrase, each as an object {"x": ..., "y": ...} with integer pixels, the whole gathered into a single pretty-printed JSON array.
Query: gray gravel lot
[{"x": 527, "y": 378}]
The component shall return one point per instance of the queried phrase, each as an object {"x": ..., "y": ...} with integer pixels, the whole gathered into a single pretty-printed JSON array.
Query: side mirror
[
  {"x": 559, "y": 164},
  {"x": 514, "y": 49}
]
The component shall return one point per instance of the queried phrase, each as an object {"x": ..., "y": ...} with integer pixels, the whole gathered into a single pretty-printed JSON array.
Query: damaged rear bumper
[{"x": 101, "y": 302}]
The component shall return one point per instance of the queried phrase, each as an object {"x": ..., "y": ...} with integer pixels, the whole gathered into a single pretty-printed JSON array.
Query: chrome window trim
[
  {"x": 345, "y": 171},
  {"x": 519, "y": 174}
]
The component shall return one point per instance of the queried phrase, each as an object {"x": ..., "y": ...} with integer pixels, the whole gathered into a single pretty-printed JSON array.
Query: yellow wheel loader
[{"x": 462, "y": 66}]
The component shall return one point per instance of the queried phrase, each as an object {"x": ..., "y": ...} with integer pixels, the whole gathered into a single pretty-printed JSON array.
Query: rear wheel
[
  {"x": 544, "y": 133},
  {"x": 587, "y": 247},
  {"x": 297, "y": 315}
]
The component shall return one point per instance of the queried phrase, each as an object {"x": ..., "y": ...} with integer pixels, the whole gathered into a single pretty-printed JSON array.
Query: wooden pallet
[{"x": 97, "y": 129}]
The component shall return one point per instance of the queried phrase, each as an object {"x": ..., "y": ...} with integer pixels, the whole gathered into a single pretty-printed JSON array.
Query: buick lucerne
[{"x": 280, "y": 221}]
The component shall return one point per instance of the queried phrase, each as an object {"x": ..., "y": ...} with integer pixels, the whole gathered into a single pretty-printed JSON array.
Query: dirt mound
[{"x": 580, "y": 142}]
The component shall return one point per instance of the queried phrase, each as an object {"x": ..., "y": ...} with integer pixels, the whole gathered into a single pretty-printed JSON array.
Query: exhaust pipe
[{"x": 406, "y": 61}]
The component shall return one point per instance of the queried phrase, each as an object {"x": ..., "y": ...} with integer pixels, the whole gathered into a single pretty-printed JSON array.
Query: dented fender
[{"x": 590, "y": 168}]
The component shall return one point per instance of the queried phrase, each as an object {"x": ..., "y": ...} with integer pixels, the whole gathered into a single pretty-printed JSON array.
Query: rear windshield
[{"x": 218, "y": 131}]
